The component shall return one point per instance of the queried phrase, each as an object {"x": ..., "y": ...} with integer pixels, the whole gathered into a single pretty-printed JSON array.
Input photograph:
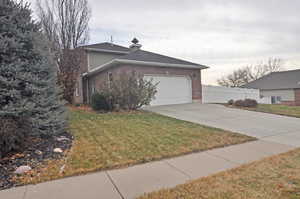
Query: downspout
[{"x": 87, "y": 91}]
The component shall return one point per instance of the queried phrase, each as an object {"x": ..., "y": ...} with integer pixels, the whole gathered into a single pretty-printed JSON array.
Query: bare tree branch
[
  {"x": 250, "y": 73},
  {"x": 66, "y": 24}
]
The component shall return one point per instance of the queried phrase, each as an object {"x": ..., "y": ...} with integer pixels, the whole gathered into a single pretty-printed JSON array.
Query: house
[
  {"x": 179, "y": 80},
  {"x": 282, "y": 87}
]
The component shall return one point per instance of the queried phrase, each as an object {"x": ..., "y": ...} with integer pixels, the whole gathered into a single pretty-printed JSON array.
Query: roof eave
[
  {"x": 142, "y": 63},
  {"x": 99, "y": 69},
  {"x": 145, "y": 63},
  {"x": 107, "y": 51}
]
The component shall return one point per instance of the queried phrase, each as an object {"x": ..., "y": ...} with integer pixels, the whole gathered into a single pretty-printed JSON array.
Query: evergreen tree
[{"x": 28, "y": 72}]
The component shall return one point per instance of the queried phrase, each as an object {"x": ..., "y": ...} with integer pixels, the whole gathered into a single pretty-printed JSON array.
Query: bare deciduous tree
[
  {"x": 66, "y": 24},
  {"x": 247, "y": 74},
  {"x": 69, "y": 71},
  {"x": 237, "y": 78}
]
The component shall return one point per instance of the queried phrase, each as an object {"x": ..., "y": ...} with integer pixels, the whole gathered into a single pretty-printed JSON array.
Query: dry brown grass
[
  {"x": 277, "y": 177},
  {"x": 113, "y": 140}
]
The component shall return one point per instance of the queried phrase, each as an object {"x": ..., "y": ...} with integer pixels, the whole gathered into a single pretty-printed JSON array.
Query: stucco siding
[
  {"x": 96, "y": 59},
  {"x": 286, "y": 95}
]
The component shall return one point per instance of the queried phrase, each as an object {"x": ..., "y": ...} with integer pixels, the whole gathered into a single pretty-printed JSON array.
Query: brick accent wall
[
  {"x": 288, "y": 103},
  {"x": 297, "y": 97},
  {"x": 194, "y": 74},
  {"x": 296, "y": 102}
]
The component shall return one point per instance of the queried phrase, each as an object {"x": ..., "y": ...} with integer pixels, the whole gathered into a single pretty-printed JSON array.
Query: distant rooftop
[{"x": 277, "y": 80}]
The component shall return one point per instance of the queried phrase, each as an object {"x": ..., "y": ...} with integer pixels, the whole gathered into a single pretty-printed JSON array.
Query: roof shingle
[
  {"x": 146, "y": 56},
  {"x": 141, "y": 55},
  {"x": 107, "y": 46},
  {"x": 277, "y": 80}
]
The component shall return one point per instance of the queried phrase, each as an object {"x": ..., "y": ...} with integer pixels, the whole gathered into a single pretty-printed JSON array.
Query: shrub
[
  {"x": 239, "y": 103},
  {"x": 246, "y": 103},
  {"x": 99, "y": 102},
  {"x": 250, "y": 103},
  {"x": 231, "y": 102},
  {"x": 129, "y": 92},
  {"x": 13, "y": 133}
]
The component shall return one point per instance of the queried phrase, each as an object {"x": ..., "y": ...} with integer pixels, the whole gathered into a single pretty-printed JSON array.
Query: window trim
[
  {"x": 93, "y": 87},
  {"x": 109, "y": 78},
  {"x": 77, "y": 94}
]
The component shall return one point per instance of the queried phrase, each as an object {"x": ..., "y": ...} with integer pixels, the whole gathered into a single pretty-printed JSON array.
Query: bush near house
[
  {"x": 27, "y": 80},
  {"x": 127, "y": 92},
  {"x": 230, "y": 102},
  {"x": 244, "y": 103},
  {"x": 100, "y": 102}
]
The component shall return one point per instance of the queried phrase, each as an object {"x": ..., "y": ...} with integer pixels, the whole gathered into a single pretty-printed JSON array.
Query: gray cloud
[{"x": 223, "y": 34}]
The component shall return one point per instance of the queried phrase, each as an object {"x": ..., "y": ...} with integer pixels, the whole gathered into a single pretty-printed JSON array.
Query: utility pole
[{"x": 111, "y": 39}]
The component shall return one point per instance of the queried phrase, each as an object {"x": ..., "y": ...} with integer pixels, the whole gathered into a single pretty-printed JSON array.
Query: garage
[{"x": 171, "y": 89}]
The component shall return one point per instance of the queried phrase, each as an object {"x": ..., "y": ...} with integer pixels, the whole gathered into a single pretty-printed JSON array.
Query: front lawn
[
  {"x": 112, "y": 140},
  {"x": 276, "y": 177},
  {"x": 293, "y": 111}
]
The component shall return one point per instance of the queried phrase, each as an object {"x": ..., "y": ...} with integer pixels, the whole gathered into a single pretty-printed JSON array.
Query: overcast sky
[{"x": 224, "y": 35}]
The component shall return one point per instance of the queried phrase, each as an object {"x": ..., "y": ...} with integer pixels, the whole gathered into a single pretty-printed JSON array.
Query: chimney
[{"x": 135, "y": 45}]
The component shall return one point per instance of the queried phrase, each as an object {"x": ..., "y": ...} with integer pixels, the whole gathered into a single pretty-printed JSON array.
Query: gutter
[{"x": 107, "y": 51}]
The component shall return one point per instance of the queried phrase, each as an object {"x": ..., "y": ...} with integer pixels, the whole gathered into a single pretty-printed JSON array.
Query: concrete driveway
[{"x": 264, "y": 126}]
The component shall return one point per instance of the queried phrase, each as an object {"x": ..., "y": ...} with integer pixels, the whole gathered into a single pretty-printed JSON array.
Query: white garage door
[{"x": 171, "y": 89}]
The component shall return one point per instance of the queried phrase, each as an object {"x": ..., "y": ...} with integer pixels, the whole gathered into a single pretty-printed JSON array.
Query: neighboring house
[
  {"x": 283, "y": 87},
  {"x": 179, "y": 80}
]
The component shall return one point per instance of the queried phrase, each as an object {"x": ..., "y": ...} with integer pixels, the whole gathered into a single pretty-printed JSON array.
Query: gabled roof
[
  {"x": 139, "y": 57},
  {"x": 106, "y": 46},
  {"x": 146, "y": 56},
  {"x": 277, "y": 80}
]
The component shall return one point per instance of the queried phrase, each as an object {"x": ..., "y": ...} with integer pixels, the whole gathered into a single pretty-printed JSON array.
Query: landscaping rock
[
  {"x": 33, "y": 156},
  {"x": 22, "y": 169},
  {"x": 58, "y": 150},
  {"x": 38, "y": 152},
  {"x": 62, "y": 138},
  {"x": 62, "y": 169}
]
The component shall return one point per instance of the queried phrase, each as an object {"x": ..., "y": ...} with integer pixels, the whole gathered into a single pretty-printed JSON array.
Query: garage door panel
[{"x": 171, "y": 89}]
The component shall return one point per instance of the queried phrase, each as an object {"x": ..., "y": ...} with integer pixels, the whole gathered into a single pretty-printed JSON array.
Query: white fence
[{"x": 218, "y": 94}]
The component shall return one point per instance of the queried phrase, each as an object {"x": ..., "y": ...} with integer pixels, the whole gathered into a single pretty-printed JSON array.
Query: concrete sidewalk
[{"x": 128, "y": 183}]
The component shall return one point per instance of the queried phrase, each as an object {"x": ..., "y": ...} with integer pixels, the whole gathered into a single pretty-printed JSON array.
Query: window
[
  {"x": 93, "y": 87},
  {"x": 110, "y": 78},
  {"x": 276, "y": 99}
]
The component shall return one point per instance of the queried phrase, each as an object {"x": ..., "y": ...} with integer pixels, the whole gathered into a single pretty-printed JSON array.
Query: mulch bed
[{"x": 36, "y": 153}]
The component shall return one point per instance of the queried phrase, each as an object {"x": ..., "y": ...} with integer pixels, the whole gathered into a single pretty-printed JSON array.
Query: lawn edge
[
  {"x": 93, "y": 171},
  {"x": 280, "y": 114},
  {"x": 239, "y": 167}
]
